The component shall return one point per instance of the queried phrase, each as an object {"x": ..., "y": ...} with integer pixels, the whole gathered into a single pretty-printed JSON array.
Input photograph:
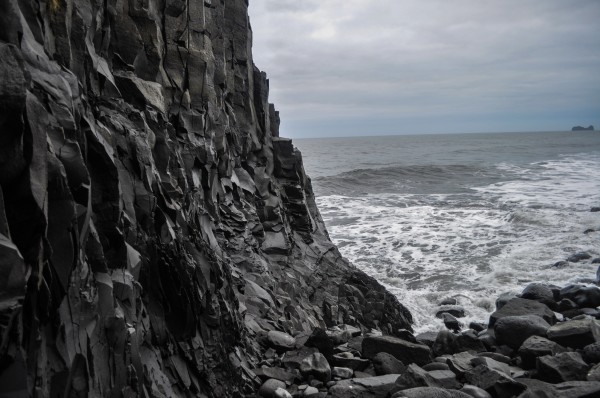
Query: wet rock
[
  {"x": 519, "y": 306},
  {"x": 561, "y": 264},
  {"x": 402, "y": 350},
  {"x": 454, "y": 310},
  {"x": 427, "y": 338},
  {"x": 514, "y": 330},
  {"x": 566, "y": 366},
  {"x": 448, "y": 301},
  {"x": 505, "y": 298},
  {"x": 583, "y": 296},
  {"x": 577, "y": 257},
  {"x": 316, "y": 366},
  {"x": 595, "y": 209},
  {"x": 451, "y": 322},
  {"x": 539, "y": 292},
  {"x": 368, "y": 387},
  {"x": 575, "y": 333},
  {"x": 385, "y": 364},
  {"x": 536, "y": 346},
  {"x": 477, "y": 326}
]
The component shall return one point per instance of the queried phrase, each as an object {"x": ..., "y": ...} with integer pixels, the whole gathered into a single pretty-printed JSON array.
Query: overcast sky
[{"x": 359, "y": 67}]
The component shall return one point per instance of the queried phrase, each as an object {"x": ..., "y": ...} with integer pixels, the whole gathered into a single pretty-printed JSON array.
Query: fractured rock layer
[{"x": 154, "y": 227}]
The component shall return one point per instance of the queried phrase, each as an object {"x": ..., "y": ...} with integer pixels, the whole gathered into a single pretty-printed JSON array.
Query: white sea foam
[{"x": 473, "y": 247}]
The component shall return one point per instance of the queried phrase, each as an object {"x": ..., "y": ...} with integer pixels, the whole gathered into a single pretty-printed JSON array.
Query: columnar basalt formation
[{"x": 153, "y": 226}]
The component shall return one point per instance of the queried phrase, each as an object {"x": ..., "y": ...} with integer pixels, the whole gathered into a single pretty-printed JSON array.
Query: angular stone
[
  {"x": 539, "y": 292},
  {"x": 385, "y": 364},
  {"x": 536, "y": 346},
  {"x": 402, "y": 350},
  {"x": 317, "y": 366},
  {"x": 583, "y": 296},
  {"x": 575, "y": 333},
  {"x": 519, "y": 306},
  {"x": 570, "y": 389},
  {"x": 566, "y": 366},
  {"x": 514, "y": 330},
  {"x": 498, "y": 384}
]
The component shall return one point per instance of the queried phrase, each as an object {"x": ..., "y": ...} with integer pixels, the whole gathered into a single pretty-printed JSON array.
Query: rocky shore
[
  {"x": 159, "y": 239},
  {"x": 542, "y": 343}
]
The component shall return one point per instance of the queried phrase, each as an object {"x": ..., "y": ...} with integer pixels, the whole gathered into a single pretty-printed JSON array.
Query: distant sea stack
[
  {"x": 155, "y": 232},
  {"x": 581, "y": 128}
]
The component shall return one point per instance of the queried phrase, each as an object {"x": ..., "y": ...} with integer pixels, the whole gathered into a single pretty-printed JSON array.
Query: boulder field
[{"x": 525, "y": 351}]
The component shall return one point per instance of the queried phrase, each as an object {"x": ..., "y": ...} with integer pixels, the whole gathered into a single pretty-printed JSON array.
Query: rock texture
[{"x": 154, "y": 227}]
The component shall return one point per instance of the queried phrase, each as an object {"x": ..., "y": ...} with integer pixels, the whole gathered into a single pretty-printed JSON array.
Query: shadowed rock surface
[{"x": 153, "y": 226}]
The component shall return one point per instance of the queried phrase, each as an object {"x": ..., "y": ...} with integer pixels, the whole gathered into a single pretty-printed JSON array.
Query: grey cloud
[{"x": 434, "y": 60}]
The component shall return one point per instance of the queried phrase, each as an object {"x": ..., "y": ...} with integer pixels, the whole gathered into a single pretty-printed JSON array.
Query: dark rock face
[
  {"x": 152, "y": 223},
  {"x": 514, "y": 330}
]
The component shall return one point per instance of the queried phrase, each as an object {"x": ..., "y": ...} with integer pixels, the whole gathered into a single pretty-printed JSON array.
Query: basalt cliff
[{"x": 154, "y": 227}]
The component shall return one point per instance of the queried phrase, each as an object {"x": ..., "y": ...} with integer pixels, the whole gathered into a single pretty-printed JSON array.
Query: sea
[{"x": 464, "y": 216}]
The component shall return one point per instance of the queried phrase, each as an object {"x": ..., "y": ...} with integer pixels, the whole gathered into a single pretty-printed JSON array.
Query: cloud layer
[{"x": 350, "y": 67}]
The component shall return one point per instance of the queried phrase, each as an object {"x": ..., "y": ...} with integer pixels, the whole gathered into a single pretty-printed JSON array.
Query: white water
[{"x": 474, "y": 246}]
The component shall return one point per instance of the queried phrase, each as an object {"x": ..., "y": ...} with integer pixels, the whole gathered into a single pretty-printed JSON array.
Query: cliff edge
[{"x": 153, "y": 225}]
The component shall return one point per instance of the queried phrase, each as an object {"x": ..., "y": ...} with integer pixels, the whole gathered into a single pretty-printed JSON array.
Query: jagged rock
[
  {"x": 461, "y": 363},
  {"x": 430, "y": 392},
  {"x": 269, "y": 387},
  {"x": 575, "y": 333},
  {"x": 566, "y": 366},
  {"x": 514, "y": 330},
  {"x": 536, "y": 346},
  {"x": 497, "y": 383},
  {"x": 368, "y": 387},
  {"x": 281, "y": 341},
  {"x": 519, "y": 306},
  {"x": 402, "y": 350},
  {"x": 317, "y": 366},
  {"x": 385, "y": 364},
  {"x": 583, "y": 296},
  {"x": 571, "y": 389}
]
